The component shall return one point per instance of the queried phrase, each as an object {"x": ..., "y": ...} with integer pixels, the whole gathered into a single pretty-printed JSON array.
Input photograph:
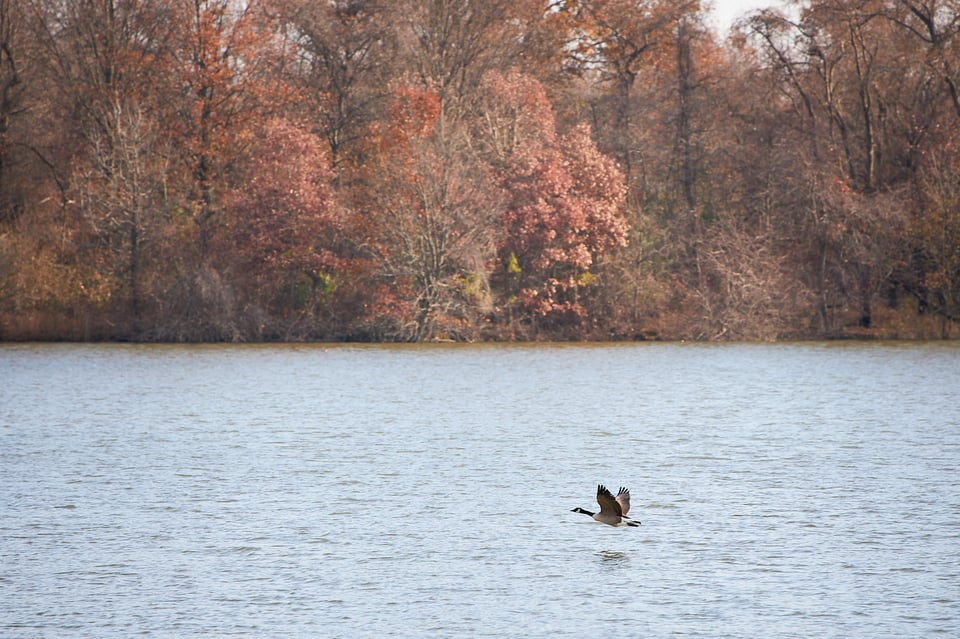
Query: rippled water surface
[{"x": 805, "y": 490}]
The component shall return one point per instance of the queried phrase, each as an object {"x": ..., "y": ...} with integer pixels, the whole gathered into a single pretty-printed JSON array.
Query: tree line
[{"x": 413, "y": 170}]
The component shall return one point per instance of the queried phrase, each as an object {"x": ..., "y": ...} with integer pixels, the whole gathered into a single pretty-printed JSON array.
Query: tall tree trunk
[{"x": 684, "y": 93}]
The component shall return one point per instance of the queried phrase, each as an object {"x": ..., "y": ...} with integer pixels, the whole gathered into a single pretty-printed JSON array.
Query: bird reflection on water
[{"x": 613, "y": 556}]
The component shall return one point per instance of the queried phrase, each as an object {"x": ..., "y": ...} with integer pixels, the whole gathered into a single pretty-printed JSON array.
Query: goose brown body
[{"x": 613, "y": 510}]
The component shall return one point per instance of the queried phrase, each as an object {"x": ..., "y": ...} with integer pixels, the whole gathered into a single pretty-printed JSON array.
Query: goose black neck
[{"x": 581, "y": 510}]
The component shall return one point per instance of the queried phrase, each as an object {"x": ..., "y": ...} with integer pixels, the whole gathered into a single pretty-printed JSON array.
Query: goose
[{"x": 613, "y": 510}]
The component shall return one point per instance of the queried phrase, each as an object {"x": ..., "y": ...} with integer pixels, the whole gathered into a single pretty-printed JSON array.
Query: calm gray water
[{"x": 807, "y": 490}]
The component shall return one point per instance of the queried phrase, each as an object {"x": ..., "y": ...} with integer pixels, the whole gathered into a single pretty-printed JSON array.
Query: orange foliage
[
  {"x": 227, "y": 58},
  {"x": 565, "y": 206},
  {"x": 412, "y": 113},
  {"x": 161, "y": 177}
]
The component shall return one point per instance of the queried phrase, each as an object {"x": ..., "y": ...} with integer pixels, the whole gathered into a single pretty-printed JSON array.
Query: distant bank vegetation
[{"x": 416, "y": 170}]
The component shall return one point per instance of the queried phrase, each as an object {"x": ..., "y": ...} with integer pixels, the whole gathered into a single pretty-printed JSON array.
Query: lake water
[{"x": 798, "y": 490}]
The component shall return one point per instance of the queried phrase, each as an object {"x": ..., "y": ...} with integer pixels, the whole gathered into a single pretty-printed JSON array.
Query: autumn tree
[
  {"x": 862, "y": 116},
  {"x": 229, "y": 68},
  {"x": 937, "y": 229},
  {"x": 96, "y": 57},
  {"x": 565, "y": 200},
  {"x": 925, "y": 121},
  {"x": 281, "y": 223},
  {"x": 12, "y": 99},
  {"x": 458, "y": 169},
  {"x": 13, "y": 84},
  {"x": 430, "y": 221},
  {"x": 658, "y": 107},
  {"x": 121, "y": 197},
  {"x": 346, "y": 53},
  {"x": 935, "y": 24},
  {"x": 619, "y": 41},
  {"x": 452, "y": 43}
]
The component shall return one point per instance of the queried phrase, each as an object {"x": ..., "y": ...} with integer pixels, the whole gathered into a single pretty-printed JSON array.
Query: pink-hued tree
[
  {"x": 282, "y": 220},
  {"x": 565, "y": 198}
]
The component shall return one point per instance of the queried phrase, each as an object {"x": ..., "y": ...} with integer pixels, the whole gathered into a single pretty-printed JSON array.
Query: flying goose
[{"x": 613, "y": 510}]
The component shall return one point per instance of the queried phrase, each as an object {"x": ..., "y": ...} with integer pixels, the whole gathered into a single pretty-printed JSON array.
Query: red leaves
[
  {"x": 555, "y": 205},
  {"x": 412, "y": 113},
  {"x": 279, "y": 215},
  {"x": 598, "y": 185},
  {"x": 559, "y": 211},
  {"x": 517, "y": 119},
  {"x": 225, "y": 57},
  {"x": 565, "y": 197}
]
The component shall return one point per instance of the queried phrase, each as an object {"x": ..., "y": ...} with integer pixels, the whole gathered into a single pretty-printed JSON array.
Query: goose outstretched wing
[
  {"x": 623, "y": 498},
  {"x": 608, "y": 503}
]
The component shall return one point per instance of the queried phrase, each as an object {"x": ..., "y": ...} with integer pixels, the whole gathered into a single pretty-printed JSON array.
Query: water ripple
[{"x": 785, "y": 490}]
